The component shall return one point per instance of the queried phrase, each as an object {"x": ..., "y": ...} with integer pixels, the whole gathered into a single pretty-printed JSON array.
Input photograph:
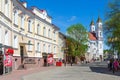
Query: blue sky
[{"x": 67, "y": 12}]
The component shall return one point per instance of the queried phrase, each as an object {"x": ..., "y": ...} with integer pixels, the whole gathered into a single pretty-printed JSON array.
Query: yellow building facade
[{"x": 29, "y": 32}]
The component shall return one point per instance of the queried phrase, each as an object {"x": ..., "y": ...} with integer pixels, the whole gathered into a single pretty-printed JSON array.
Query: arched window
[
  {"x": 22, "y": 21},
  {"x": 49, "y": 33},
  {"x": 54, "y": 35},
  {"x": 15, "y": 43},
  {"x": 54, "y": 49},
  {"x": 38, "y": 47},
  {"x": 38, "y": 29},
  {"x": 48, "y": 48},
  {"x": 6, "y": 8},
  {"x": 44, "y": 31},
  {"x": 15, "y": 17},
  {"x": 29, "y": 46},
  {"x": 29, "y": 25},
  {"x": 44, "y": 48},
  {"x": 6, "y": 37}
]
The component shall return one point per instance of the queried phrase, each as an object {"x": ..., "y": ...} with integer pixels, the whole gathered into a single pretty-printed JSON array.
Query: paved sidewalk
[
  {"x": 73, "y": 73},
  {"x": 18, "y": 74}
]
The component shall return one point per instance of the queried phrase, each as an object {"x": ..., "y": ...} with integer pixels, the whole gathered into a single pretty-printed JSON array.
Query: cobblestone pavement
[
  {"x": 96, "y": 71},
  {"x": 18, "y": 74}
]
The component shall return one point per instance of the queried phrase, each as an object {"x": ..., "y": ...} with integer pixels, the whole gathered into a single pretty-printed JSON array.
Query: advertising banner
[
  {"x": 8, "y": 61},
  {"x": 50, "y": 59}
]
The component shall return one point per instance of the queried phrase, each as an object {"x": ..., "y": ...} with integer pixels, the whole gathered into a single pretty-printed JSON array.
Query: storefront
[
  {"x": 1, "y": 60},
  {"x": 1, "y": 63}
]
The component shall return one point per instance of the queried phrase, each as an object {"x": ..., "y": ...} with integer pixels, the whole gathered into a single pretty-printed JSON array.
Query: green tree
[
  {"x": 77, "y": 40},
  {"x": 112, "y": 25}
]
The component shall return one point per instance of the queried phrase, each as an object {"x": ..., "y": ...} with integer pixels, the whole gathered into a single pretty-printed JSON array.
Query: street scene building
[
  {"x": 27, "y": 35},
  {"x": 95, "y": 44}
]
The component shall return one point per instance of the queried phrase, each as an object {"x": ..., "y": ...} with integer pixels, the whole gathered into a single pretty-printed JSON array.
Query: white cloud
[{"x": 72, "y": 18}]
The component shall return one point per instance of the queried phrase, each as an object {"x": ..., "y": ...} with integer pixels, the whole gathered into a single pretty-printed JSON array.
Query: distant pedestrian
[
  {"x": 116, "y": 64},
  {"x": 111, "y": 64}
]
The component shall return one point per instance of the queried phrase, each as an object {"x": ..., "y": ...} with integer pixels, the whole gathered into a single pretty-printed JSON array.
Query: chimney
[{"x": 25, "y": 4}]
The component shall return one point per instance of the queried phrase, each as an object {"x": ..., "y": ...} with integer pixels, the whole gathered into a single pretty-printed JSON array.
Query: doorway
[
  {"x": 1, "y": 64},
  {"x": 22, "y": 54}
]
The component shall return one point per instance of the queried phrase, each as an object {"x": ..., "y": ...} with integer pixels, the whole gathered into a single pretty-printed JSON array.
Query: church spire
[
  {"x": 92, "y": 26},
  {"x": 92, "y": 23},
  {"x": 99, "y": 19}
]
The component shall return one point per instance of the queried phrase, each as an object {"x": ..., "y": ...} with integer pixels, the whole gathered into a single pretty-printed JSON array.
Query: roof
[
  {"x": 99, "y": 19},
  {"x": 92, "y": 36},
  {"x": 92, "y": 23}
]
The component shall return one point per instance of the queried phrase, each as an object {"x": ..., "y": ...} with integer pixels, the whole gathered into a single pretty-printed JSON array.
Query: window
[
  {"x": 6, "y": 37},
  {"x": 54, "y": 49},
  {"x": 38, "y": 29},
  {"x": 44, "y": 48},
  {"x": 29, "y": 46},
  {"x": 49, "y": 49},
  {"x": 22, "y": 22},
  {"x": 54, "y": 35},
  {"x": 6, "y": 7},
  {"x": 15, "y": 17},
  {"x": 29, "y": 25},
  {"x": 49, "y": 33},
  {"x": 38, "y": 47},
  {"x": 100, "y": 46},
  {"x": 15, "y": 43},
  {"x": 44, "y": 31}
]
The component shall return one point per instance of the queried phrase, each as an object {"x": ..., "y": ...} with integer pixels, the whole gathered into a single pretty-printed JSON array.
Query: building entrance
[{"x": 1, "y": 64}]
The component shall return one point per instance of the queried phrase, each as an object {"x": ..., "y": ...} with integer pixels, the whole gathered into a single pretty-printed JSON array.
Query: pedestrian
[
  {"x": 111, "y": 64},
  {"x": 108, "y": 62},
  {"x": 116, "y": 64}
]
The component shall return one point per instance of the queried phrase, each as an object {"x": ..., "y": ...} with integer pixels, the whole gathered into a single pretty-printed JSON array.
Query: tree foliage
[
  {"x": 76, "y": 40},
  {"x": 112, "y": 25}
]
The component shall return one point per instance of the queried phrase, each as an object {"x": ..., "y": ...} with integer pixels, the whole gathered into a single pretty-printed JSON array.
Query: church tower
[
  {"x": 99, "y": 32},
  {"x": 92, "y": 26}
]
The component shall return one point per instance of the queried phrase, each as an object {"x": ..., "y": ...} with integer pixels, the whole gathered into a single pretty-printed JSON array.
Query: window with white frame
[
  {"x": 54, "y": 49},
  {"x": 6, "y": 37},
  {"x": 48, "y": 48},
  {"x": 38, "y": 29},
  {"x": 38, "y": 47},
  {"x": 6, "y": 7},
  {"x": 15, "y": 43},
  {"x": 16, "y": 17},
  {"x": 49, "y": 33},
  {"x": 54, "y": 35},
  {"x": 44, "y": 48},
  {"x": 29, "y": 25},
  {"x": 44, "y": 31},
  {"x": 22, "y": 21},
  {"x": 29, "y": 46}
]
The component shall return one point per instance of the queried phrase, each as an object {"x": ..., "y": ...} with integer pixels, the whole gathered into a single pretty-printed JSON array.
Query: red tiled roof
[{"x": 92, "y": 36}]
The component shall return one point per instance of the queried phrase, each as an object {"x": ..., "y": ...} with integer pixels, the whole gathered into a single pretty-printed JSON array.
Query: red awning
[{"x": 10, "y": 51}]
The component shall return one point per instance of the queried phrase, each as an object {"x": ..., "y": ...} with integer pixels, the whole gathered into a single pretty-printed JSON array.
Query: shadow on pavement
[{"x": 103, "y": 70}]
